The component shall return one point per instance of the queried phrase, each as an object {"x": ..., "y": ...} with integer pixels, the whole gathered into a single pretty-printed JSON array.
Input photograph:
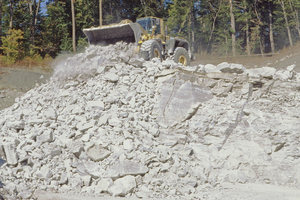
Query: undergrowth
[{"x": 34, "y": 62}]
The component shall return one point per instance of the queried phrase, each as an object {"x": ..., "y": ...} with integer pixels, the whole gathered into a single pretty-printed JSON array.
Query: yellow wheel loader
[{"x": 148, "y": 34}]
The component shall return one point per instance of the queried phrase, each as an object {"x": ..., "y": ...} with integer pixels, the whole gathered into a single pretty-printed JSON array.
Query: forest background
[{"x": 34, "y": 34}]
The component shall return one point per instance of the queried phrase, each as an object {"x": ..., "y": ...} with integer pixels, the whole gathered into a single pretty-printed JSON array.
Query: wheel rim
[
  {"x": 156, "y": 53},
  {"x": 182, "y": 60}
]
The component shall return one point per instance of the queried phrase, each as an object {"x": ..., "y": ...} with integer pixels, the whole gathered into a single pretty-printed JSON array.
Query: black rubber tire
[
  {"x": 150, "y": 49},
  {"x": 180, "y": 54}
]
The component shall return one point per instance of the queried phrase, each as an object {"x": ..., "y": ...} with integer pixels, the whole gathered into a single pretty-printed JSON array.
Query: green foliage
[
  {"x": 66, "y": 43},
  {"x": 11, "y": 45},
  {"x": 82, "y": 43},
  {"x": 213, "y": 33}
]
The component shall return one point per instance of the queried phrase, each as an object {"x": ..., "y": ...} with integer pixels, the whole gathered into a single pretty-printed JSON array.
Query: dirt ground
[
  {"x": 248, "y": 191},
  {"x": 14, "y": 82},
  {"x": 279, "y": 61}
]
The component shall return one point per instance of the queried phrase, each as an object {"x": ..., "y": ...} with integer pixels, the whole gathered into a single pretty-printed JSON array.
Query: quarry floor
[{"x": 228, "y": 192}]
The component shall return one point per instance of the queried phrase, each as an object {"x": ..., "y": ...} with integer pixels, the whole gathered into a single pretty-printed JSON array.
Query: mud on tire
[
  {"x": 150, "y": 49},
  {"x": 181, "y": 55}
]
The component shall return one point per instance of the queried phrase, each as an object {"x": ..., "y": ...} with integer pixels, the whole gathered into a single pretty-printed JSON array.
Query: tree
[
  {"x": 11, "y": 44},
  {"x": 215, "y": 15},
  {"x": 73, "y": 26},
  {"x": 11, "y": 3},
  {"x": 271, "y": 28},
  {"x": 232, "y": 23},
  {"x": 294, "y": 7},
  {"x": 100, "y": 12},
  {"x": 281, "y": 2},
  {"x": 1, "y": 18}
]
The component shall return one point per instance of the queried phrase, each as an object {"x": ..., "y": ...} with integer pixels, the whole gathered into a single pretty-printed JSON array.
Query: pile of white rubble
[{"x": 108, "y": 123}]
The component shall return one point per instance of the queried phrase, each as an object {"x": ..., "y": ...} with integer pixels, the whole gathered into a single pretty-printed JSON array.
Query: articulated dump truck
[{"x": 148, "y": 34}]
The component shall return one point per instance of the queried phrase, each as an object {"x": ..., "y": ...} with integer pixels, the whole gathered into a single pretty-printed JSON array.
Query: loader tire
[
  {"x": 150, "y": 49},
  {"x": 181, "y": 55}
]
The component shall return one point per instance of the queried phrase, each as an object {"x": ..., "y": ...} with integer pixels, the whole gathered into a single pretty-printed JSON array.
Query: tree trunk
[
  {"x": 232, "y": 23},
  {"x": 145, "y": 7},
  {"x": 226, "y": 42},
  {"x": 213, "y": 25},
  {"x": 0, "y": 20},
  {"x": 193, "y": 35},
  {"x": 263, "y": 43},
  {"x": 297, "y": 22},
  {"x": 73, "y": 26},
  {"x": 295, "y": 13},
  {"x": 258, "y": 25},
  {"x": 287, "y": 23},
  {"x": 271, "y": 28},
  {"x": 37, "y": 8},
  {"x": 11, "y": 2},
  {"x": 248, "y": 38},
  {"x": 100, "y": 12},
  {"x": 37, "y": 12},
  {"x": 32, "y": 14},
  {"x": 261, "y": 46},
  {"x": 247, "y": 31}
]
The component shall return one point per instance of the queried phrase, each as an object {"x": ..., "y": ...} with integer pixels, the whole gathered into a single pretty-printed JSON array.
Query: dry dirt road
[
  {"x": 14, "y": 82},
  {"x": 248, "y": 191}
]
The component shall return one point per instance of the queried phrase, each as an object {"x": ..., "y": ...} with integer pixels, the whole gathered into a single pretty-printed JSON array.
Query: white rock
[
  {"x": 16, "y": 124},
  {"x": 103, "y": 185},
  {"x": 154, "y": 131},
  {"x": 266, "y": 72},
  {"x": 231, "y": 68},
  {"x": 51, "y": 114},
  {"x": 145, "y": 125},
  {"x": 241, "y": 177},
  {"x": 86, "y": 180},
  {"x": 103, "y": 120},
  {"x": 82, "y": 126},
  {"x": 55, "y": 152},
  {"x": 77, "y": 148},
  {"x": 128, "y": 144},
  {"x": 11, "y": 154},
  {"x": 112, "y": 77},
  {"x": 210, "y": 68},
  {"x": 44, "y": 173},
  {"x": 76, "y": 182},
  {"x": 47, "y": 136},
  {"x": 97, "y": 153},
  {"x": 291, "y": 67},
  {"x": 127, "y": 168},
  {"x": 95, "y": 105},
  {"x": 115, "y": 122},
  {"x": 63, "y": 178},
  {"x": 122, "y": 186},
  {"x": 282, "y": 75}
]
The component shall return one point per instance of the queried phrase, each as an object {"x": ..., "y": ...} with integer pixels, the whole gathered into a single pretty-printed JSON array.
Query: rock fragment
[
  {"x": 11, "y": 154},
  {"x": 47, "y": 136},
  {"x": 127, "y": 168},
  {"x": 122, "y": 186},
  {"x": 97, "y": 153},
  {"x": 103, "y": 185}
]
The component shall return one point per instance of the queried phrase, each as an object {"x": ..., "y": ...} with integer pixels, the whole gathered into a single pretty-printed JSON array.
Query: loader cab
[{"x": 148, "y": 22}]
